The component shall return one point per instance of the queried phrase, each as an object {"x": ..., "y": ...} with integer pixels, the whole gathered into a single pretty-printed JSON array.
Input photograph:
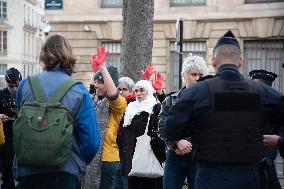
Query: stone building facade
[
  {"x": 258, "y": 25},
  {"x": 20, "y": 42}
]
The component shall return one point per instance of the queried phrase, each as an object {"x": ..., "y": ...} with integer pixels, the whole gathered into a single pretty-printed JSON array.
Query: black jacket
[
  {"x": 195, "y": 104},
  {"x": 7, "y": 107},
  {"x": 131, "y": 132},
  {"x": 167, "y": 104}
]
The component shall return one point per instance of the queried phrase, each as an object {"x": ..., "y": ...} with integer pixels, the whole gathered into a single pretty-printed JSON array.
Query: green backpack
[{"x": 42, "y": 133}]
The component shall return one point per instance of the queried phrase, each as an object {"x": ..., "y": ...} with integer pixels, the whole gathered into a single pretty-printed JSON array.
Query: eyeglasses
[
  {"x": 13, "y": 85},
  {"x": 141, "y": 90},
  {"x": 123, "y": 89}
]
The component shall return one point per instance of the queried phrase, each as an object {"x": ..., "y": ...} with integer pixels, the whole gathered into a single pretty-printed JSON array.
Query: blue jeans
[
  {"x": 120, "y": 182},
  {"x": 108, "y": 171},
  {"x": 178, "y": 168},
  {"x": 227, "y": 178}
]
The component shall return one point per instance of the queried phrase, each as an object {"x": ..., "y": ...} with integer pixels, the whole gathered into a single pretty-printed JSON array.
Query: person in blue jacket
[
  {"x": 58, "y": 65},
  {"x": 225, "y": 118}
]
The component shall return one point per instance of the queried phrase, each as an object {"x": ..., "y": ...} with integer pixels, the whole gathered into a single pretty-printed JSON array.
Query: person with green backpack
[{"x": 56, "y": 132}]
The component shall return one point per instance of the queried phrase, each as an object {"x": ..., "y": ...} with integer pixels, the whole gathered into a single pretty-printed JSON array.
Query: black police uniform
[
  {"x": 226, "y": 116},
  {"x": 270, "y": 178},
  {"x": 8, "y": 107},
  {"x": 225, "y": 123},
  {"x": 7, "y": 103}
]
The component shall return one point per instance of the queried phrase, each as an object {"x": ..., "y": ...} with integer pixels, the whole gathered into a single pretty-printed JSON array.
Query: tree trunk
[{"x": 137, "y": 38}]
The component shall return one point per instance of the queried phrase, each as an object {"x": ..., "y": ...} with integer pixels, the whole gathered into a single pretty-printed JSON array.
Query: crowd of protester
[{"x": 221, "y": 131}]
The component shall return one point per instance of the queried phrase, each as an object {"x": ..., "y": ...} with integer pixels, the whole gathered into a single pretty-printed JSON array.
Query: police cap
[
  {"x": 13, "y": 76},
  {"x": 227, "y": 38},
  {"x": 263, "y": 74}
]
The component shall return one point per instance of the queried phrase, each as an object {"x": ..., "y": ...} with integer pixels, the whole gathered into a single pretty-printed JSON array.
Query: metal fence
[{"x": 267, "y": 55}]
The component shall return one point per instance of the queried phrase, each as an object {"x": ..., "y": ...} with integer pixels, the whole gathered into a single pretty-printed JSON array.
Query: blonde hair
[
  {"x": 194, "y": 63},
  {"x": 56, "y": 51}
]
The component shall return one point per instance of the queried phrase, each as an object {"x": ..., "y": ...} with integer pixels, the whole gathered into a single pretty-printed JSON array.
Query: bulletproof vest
[{"x": 232, "y": 133}]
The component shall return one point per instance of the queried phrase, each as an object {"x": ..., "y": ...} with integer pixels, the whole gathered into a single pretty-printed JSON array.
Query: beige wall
[{"x": 204, "y": 23}]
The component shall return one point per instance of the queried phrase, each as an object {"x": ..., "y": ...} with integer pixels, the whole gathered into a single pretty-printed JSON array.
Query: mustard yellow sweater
[{"x": 110, "y": 148}]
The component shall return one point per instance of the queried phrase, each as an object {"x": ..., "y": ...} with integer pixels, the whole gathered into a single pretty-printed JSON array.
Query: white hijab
[{"x": 136, "y": 107}]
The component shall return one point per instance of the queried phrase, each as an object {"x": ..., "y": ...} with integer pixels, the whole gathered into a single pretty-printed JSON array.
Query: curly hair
[
  {"x": 56, "y": 51},
  {"x": 194, "y": 63}
]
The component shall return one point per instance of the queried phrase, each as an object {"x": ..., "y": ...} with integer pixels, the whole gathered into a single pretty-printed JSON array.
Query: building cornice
[
  {"x": 169, "y": 17},
  {"x": 5, "y": 26},
  {"x": 221, "y": 16}
]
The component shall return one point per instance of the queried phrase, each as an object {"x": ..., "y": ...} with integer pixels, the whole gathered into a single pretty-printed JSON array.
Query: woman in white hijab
[{"x": 134, "y": 125}]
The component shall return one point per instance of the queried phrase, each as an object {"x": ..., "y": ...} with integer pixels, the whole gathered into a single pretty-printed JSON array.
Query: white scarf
[{"x": 135, "y": 108}]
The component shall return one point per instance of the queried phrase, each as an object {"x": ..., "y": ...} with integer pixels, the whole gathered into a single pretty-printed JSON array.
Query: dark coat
[
  {"x": 7, "y": 104},
  {"x": 195, "y": 104},
  {"x": 134, "y": 130}
]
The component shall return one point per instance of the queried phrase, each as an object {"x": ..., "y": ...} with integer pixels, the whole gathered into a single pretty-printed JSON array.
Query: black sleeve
[
  {"x": 1, "y": 93},
  {"x": 1, "y": 96},
  {"x": 161, "y": 97},
  {"x": 120, "y": 137},
  {"x": 153, "y": 124},
  {"x": 157, "y": 144},
  {"x": 165, "y": 107}
]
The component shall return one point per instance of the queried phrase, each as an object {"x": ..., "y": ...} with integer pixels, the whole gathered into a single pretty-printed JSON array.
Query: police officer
[
  {"x": 263, "y": 76},
  {"x": 7, "y": 116},
  {"x": 225, "y": 118},
  {"x": 272, "y": 182}
]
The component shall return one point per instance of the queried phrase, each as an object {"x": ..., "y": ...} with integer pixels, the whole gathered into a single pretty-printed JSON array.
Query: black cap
[
  {"x": 113, "y": 72},
  {"x": 263, "y": 74},
  {"x": 227, "y": 38},
  {"x": 13, "y": 76}
]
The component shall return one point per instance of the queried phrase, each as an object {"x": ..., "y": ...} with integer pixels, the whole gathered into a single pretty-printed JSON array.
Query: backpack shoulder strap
[
  {"x": 62, "y": 90},
  {"x": 36, "y": 88}
]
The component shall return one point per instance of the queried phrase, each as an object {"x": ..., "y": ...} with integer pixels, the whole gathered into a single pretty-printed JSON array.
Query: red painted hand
[
  {"x": 98, "y": 60},
  {"x": 148, "y": 72},
  {"x": 157, "y": 83}
]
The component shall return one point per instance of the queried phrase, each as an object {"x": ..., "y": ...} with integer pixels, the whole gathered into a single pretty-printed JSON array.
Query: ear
[
  {"x": 214, "y": 63},
  {"x": 241, "y": 62}
]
